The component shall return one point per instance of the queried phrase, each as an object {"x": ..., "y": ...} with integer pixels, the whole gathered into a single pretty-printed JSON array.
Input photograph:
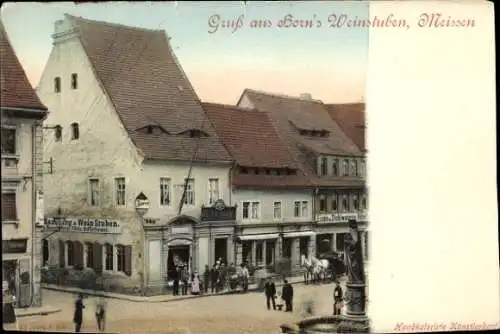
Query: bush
[
  {"x": 54, "y": 275},
  {"x": 87, "y": 279}
]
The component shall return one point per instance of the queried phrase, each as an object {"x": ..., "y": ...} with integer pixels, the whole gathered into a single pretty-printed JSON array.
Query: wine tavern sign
[{"x": 83, "y": 225}]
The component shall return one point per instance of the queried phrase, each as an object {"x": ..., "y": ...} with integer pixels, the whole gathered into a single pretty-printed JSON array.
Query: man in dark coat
[
  {"x": 176, "y": 282},
  {"x": 213, "y": 278},
  {"x": 270, "y": 291},
  {"x": 184, "y": 278},
  {"x": 287, "y": 295},
  {"x": 337, "y": 298},
  {"x": 206, "y": 278},
  {"x": 78, "y": 316}
]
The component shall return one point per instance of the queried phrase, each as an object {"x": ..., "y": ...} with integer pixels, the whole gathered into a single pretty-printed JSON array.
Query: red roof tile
[
  {"x": 16, "y": 90},
  {"x": 351, "y": 118},
  {"x": 147, "y": 86}
]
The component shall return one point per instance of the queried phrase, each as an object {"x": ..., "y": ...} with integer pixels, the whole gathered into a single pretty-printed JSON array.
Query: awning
[
  {"x": 298, "y": 234},
  {"x": 259, "y": 236}
]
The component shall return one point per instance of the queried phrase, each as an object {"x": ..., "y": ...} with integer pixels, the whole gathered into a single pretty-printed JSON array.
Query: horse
[
  {"x": 308, "y": 268},
  {"x": 320, "y": 269}
]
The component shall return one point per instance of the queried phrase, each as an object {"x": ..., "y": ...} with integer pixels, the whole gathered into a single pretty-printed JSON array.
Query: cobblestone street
[{"x": 229, "y": 314}]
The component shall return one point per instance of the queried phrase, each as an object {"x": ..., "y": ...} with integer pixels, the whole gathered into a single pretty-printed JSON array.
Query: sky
[{"x": 328, "y": 62}]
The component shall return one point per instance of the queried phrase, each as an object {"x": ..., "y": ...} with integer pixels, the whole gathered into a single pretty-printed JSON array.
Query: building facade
[
  {"x": 121, "y": 158},
  {"x": 22, "y": 173},
  {"x": 273, "y": 196},
  {"x": 334, "y": 165}
]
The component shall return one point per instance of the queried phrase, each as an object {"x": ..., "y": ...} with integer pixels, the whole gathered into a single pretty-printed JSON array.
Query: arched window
[
  {"x": 58, "y": 132},
  {"x": 75, "y": 131}
]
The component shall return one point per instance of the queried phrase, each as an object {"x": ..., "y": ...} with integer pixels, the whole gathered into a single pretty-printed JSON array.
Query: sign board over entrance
[
  {"x": 84, "y": 225},
  {"x": 14, "y": 246}
]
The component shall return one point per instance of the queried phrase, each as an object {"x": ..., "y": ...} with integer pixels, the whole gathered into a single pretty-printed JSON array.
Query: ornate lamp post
[
  {"x": 142, "y": 206},
  {"x": 355, "y": 320}
]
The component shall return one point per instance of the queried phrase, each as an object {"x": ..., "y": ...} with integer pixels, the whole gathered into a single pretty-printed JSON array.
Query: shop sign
[
  {"x": 83, "y": 225},
  {"x": 14, "y": 246}
]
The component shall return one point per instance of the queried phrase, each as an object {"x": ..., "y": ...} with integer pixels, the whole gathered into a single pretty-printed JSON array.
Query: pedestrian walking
[
  {"x": 184, "y": 279},
  {"x": 270, "y": 291},
  {"x": 9, "y": 315},
  {"x": 78, "y": 316},
  {"x": 206, "y": 278},
  {"x": 337, "y": 298},
  {"x": 100, "y": 313},
  {"x": 287, "y": 295},
  {"x": 195, "y": 284},
  {"x": 175, "y": 286}
]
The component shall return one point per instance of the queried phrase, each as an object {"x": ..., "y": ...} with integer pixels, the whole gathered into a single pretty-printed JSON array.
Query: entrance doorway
[
  {"x": 45, "y": 252},
  {"x": 287, "y": 248},
  {"x": 323, "y": 244},
  {"x": 220, "y": 250},
  {"x": 304, "y": 246},
  {"x": 9, "y": 271},
  {"x": 177, "y": 256}
]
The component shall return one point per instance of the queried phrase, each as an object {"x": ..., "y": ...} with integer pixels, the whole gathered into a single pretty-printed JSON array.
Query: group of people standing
[
  {"x": 100, "y": 313},
  {"x": 286, "y": 295}
]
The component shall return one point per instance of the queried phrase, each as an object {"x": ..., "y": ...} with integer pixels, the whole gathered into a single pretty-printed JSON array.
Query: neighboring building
[
  {"x": 22, "y": 116},
  {"x": 331, "y": 161},
  {"x": 127, "y": 125},
  {"x": 273, "y": 196},
  {"x": 351, "y": 118}
]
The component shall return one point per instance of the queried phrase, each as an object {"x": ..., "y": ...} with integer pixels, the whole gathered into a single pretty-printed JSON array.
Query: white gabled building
[{"x": 126, "y": 121}]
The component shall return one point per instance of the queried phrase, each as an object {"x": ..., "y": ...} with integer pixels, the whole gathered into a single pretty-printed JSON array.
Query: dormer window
[
  {"x": 152, "y": 129},
  {"x": 74, "y": 81},
  {"x": 268, "y": 171},
  {"x": 243, "y": 170},
  {"x": 303, "y": 132},
  {"x": 196, "y": 133},
  {"x": 75, "y": 131},
  {"x": 58, "y": 132},
  {"x": 323, "y": 133}
]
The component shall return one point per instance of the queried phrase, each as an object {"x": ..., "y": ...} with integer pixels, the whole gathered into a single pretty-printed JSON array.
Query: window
[
  {"x": 74, "y": 81},
  {"x": 8, "y": 141},
  {"x": 362, "y": 168},
  {"x": 164, "y": 191},
  {"x": 345, "y": 203},
  {"x": 334, "y": 203},
  {"x": 251, "y": 210},
  {"x": 71, "y": 253},
  {"x": 259, "y": 247},
  {"x": 355, "y": 203},
  {"x": 120, "y": 256},
  {"x": 335, "y": 167},
  {"x": 300, "y": 209},
  {"x": 345, "y": 167},
  {"x": 324, "y": 167},
  {"x": 58, "y": 132},
  {"x": 246, "y": 206},
  {"x": 90, "y": 255},
  {"x": 189, "y": 198},
  {"x": 354, "y": 168},
  {"x": 75, "y": 131},
  {"x": 9, "y": 208},
  {"x": 296, "y": 209},
  {"x": 108, "y": 249},
  {"x": 363, "y": 203},
  {"x": 322, "y": 203},
  {"x": 94, "y": 194},
  {"x": 120, "y": 190},
  {"x": 213, "y": 190},
  {"x": 277, "y": 211},
  {"x": 57, "y": 84},
  {"x": 305, "y": 207},
  {"x": 255, "y": 210}
]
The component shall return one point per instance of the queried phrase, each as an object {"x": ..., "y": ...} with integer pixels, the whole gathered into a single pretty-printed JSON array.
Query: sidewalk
[
  {"x": 30, "y": 311},
  {"x": 153, "y": 299}
]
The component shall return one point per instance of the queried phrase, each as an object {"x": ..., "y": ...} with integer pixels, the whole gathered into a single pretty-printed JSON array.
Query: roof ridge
[
  {"x": 271, "y": 94},
  {"x": 234, "y": 107},
  {"x": 112, "y": 24}
]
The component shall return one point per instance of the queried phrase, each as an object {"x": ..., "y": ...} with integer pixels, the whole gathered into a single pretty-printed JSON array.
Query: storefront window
[{"x": 109, "y": 256}]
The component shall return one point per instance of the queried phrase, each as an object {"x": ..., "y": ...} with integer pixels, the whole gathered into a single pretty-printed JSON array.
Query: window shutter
[
  {"x": 62, "y": 255},
  {"x": 78, "y": 261},
  {"x": 128, "y": 260},
  {"x": 97, "y": 257}
]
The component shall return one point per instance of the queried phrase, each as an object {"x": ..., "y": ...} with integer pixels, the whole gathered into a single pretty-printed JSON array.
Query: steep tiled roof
[
  {"x": 147, "y": 86},
  {"x": 252, "y": 141},
  {"x": 16, "y": 90},
  {"x": 351, "y": 118},
  {"x": 288, "y": 114}
]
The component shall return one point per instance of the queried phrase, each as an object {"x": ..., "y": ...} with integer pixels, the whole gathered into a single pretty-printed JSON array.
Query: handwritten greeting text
[{"x": 340, "y": 20}]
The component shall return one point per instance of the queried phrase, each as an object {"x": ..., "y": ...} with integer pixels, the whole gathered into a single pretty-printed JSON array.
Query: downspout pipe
[{"x": 33, "y": 210}]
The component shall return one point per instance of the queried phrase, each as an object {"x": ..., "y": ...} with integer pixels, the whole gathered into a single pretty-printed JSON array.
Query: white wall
[
  {"x": 150, "y": 185},
  {"x": 267, "y": 199}
]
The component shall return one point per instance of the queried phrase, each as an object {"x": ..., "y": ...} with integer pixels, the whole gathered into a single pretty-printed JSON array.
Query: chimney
[
  {"x": 63, "y": 30},
  {"x": 306, "y": 96}
]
